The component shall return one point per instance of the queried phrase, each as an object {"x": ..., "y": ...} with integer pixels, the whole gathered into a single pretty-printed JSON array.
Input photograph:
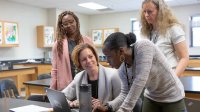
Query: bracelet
[{"x": 110, "y": 109}]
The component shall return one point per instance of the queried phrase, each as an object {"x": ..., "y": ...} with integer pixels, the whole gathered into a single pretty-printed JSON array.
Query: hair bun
[{"x": 131, "y": 38}]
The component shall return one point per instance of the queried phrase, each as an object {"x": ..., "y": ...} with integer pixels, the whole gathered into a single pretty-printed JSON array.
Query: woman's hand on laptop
[{"x": 74, "y": 104}]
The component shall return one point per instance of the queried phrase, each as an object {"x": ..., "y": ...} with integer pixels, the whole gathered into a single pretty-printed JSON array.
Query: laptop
[
  {"x": 192, "y": 105},
  {"x": 58, "y": 101}
]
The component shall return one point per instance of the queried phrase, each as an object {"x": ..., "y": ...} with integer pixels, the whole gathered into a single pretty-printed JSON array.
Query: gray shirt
[
  {"x": 165, "y": 43},
  {"x": 151, "y": 70}
]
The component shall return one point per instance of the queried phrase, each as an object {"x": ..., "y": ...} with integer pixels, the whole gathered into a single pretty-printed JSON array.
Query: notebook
[
  {"x": 58, "y": 101},
  {"x": 192, "y": 105},
  {"x": 30, "y": 108}
]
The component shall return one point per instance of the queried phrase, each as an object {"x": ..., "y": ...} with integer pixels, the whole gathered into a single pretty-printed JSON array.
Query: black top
[
  {"x": 94, "y": 85},
  {"x": 71, "y": 45}
]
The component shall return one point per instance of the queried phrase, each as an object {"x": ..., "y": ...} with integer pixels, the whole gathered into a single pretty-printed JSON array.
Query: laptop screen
[{"x": 58, "y": 101}]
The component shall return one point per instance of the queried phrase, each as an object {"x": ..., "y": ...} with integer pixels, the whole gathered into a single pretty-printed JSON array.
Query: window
[
  {"x": 135, "y": 28},
  {"x": 195, "y": 29}
]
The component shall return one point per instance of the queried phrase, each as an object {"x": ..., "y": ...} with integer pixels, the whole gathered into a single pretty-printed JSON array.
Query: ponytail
[{"x": 131, "y": 39}]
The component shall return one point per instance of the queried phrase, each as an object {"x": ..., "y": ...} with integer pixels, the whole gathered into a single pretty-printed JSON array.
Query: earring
[{"x": 122, "y": 58}]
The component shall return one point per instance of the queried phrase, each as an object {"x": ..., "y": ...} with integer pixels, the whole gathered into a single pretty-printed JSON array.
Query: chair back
[
  {"x": 0, "y": 90},
  {"x": 8, "y": 88},
  {"x": 192, "y": 105},
  {"x": 44, "y": 76}
]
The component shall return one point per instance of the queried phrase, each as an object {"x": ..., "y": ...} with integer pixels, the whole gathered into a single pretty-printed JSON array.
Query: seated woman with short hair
[{"x": 105, "y": 82}]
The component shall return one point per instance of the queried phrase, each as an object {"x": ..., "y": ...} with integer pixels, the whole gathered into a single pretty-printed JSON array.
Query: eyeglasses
[{"x": 69, "y": 23}]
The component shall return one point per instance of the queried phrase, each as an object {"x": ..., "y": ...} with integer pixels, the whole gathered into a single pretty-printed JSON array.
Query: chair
[
  {"x": 43, "y": 76},
  {"x": 192, "y": 105},
  {"x": 0, "y": 90},
  {"x": 8, "y": 89}
]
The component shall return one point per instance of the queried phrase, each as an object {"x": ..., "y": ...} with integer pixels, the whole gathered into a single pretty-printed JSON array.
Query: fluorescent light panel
[
  {"x": 168, "y": 0},
  {"x": 92, "y": 5}
]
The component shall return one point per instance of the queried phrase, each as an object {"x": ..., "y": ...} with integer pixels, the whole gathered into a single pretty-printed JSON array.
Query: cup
[{"x": 85, "y": 98}]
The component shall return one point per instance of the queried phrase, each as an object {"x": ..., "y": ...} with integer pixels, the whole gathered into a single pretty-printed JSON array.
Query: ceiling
[{"x": 114, "y": 5}]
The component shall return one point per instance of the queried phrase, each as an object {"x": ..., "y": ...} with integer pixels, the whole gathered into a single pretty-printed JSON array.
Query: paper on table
[{"x": 31, "y": 108}]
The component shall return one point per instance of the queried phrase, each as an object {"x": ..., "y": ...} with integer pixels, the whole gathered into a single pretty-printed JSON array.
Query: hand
[
  {"x": 98, "y": 106},
  {"x": 101, "y": 108},
  {"x": 74, "y": 104}
]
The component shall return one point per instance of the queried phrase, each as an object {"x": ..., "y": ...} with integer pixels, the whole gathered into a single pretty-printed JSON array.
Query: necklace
[
  {"x": 129, "y": 79},
  {"x": 154, "y": 36}
]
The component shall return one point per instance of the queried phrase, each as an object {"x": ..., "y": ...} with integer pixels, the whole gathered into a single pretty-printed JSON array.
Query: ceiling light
[
  {"x": 168, "y": 0},
  {"x": 92, "y": 5}
]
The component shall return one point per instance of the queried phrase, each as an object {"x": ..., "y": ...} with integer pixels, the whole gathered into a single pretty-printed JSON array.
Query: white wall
[
  {"x": 115, "y": 20},
  {"x": 122, "y": 21},
  {"x": 28, "y": 18},
  {"x": 52, "y": 17},
  {"x": 183, "y": 14}
]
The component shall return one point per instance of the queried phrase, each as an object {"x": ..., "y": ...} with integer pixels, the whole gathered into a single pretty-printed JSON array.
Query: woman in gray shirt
[
  {"x": 159, "y": 25},
  {"x": 141, "y": 65}
]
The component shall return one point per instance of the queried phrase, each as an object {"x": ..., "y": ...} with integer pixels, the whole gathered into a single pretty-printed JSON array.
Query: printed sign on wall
[
  {"x": 97, "y": 37},
  {"x": 11, "y": 33},
  {"x": 49, "y": 35},
  {"x": 107, "y": 32}
]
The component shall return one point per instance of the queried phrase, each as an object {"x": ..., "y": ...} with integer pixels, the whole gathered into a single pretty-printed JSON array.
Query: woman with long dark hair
[{"x": 67, "y": 37}]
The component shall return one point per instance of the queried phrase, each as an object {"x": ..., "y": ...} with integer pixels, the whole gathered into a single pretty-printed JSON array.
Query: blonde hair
[
  {"x": 165, "y": 18},
  {"x": 76, "y": 54}
]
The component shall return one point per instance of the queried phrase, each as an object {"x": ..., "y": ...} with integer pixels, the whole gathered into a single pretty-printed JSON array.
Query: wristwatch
[{"x": 109, "y": 108}]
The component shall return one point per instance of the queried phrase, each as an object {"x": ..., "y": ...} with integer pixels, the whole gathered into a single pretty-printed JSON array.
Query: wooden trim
[
  {"x": 191, "y": 73},
  {"x": 194, "y": 63},
  {"x": 192, "y": 95}
]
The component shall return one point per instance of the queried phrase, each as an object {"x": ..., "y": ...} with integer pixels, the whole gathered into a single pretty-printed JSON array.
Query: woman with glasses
[
  {"x": 67, "y": 37},
  {"x": 161, "y": 27},
  {"x": 142, "y": 65}
]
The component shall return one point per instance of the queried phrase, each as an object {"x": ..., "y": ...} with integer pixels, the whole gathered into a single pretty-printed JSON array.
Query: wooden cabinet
[
  {"x": 41, "y": 68},
  {"x": 191, "y": 72},
  {"x": 193, "y": 68},
  {"x": 45, "y": 36},
  {"x": 194, "y": 63},
  {"x": 44, "y": 68},
  {"x": 20, "y": 75},
  {"x": 9, "y": 34}
]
